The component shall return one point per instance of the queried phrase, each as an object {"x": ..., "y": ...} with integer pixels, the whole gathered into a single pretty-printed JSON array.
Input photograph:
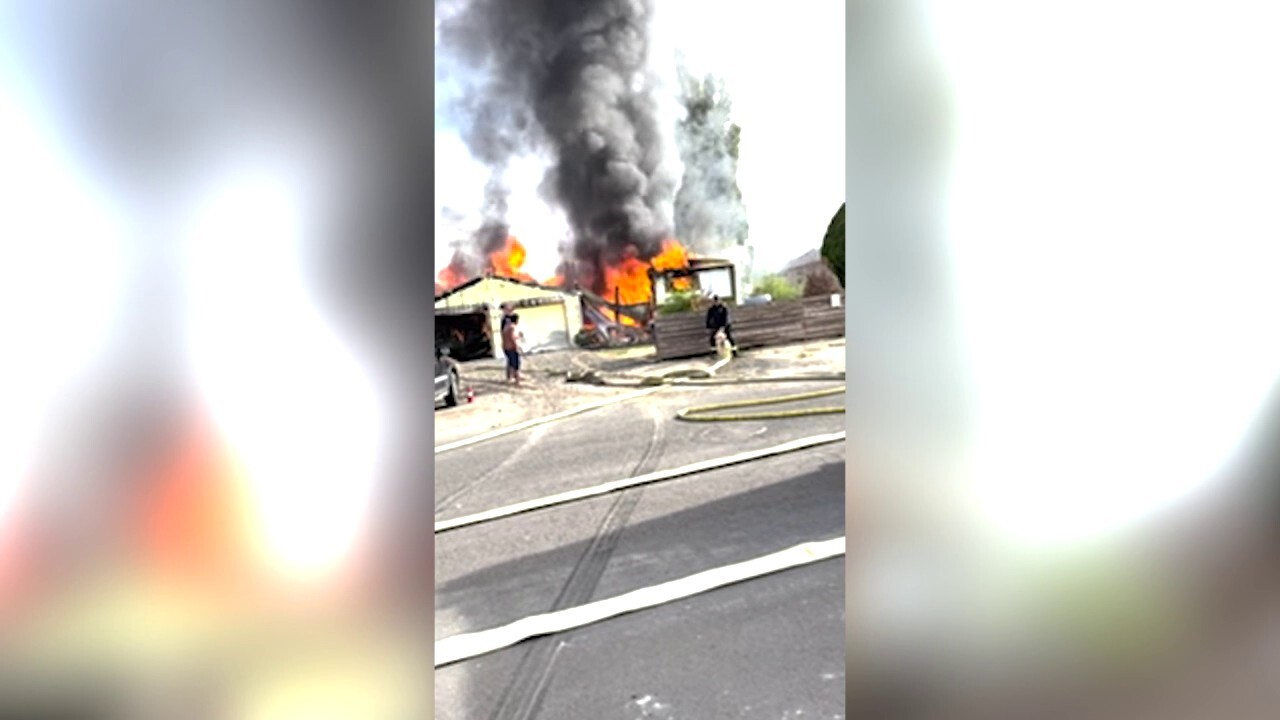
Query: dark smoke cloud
[
  {"x": 568, "y": 77},
  {"x": 493, "y": 232},
  {"x": 495, "y": 132}
]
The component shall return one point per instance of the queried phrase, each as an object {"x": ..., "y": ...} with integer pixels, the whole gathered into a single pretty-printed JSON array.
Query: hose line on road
[
  {"x": 697, "y": 377},
  {"x": 698, "y": 413},
  {"x": 648, "y": 385},
  {"x": 465, "y": 646}
]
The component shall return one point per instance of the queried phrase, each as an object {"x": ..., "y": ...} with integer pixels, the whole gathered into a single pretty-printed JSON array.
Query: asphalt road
[{"x": 772, "y": 647}]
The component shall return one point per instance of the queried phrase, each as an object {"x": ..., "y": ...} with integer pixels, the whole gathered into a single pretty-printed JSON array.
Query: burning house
[
  {"x": 706, "y": 276},
  {"x": 469, "y": 317},
  {"x": 582, "y": 95},
  {"x": 615, "y": 296},
  {"x": 471, "y": 291}
]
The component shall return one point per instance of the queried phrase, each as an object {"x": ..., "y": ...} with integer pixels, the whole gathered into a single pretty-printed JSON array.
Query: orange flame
[
  {"x": 507, "y": 261},
  {"x": 619, "y": 318},
  {"x": 673, "y": 257},
  {"x": 627, "y": 283},
  {"x": 453, "y": 275}
]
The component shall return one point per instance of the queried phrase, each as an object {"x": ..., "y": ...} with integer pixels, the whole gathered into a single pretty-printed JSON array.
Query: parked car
[{"x": 448, "y": 384}]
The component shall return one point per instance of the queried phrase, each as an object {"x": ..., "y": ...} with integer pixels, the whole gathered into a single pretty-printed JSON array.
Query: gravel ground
[{"x": 545, "y": 390}]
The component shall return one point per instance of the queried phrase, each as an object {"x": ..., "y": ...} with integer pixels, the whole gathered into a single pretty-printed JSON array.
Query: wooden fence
[{"x": 776, "y": 323}]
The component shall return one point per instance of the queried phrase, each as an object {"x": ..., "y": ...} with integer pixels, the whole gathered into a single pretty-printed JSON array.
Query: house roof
[
  {"x": 698, "y": 264},
  {"x": 710, "y": 262},
  {"x": 809, "y": 258},
  {"x": 501, "y": 278}
]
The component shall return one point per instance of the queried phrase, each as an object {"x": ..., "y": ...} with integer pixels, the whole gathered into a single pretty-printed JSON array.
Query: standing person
[
  {"x": 511, "y": 338},
  {"x": 717, "y": 320},
  {"x": 508, "y": 309}
]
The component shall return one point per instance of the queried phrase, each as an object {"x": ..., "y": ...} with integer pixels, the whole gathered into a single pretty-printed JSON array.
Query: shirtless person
[{"x": 511, "y": 337}]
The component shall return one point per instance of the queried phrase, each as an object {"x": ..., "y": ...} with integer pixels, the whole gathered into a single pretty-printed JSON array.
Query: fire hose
[
  {"x": 699, "y": 413},
  {"x": 702, "y": 377},
  {"x": 694, "y": 376}
]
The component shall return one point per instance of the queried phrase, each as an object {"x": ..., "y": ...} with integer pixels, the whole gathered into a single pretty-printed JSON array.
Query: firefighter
[{"x": 718, "y": 320}]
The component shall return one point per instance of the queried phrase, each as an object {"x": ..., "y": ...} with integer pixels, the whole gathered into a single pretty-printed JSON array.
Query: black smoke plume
[{"x": 568, "y": 77}]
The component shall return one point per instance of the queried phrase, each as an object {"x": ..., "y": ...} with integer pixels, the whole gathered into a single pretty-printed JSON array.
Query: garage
[{"x": 471, "y": 316}]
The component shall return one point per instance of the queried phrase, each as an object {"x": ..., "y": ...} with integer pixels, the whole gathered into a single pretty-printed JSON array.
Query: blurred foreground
[
  {"x": 1064, "y": 406},
  {"x": 209, "y": 472}
]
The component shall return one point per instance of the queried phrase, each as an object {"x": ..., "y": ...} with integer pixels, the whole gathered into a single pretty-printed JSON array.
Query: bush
[
  {"x": 777, "y": 286},
  {"x": 678, "y": 302},
  {"x": 821, "y": 282}
]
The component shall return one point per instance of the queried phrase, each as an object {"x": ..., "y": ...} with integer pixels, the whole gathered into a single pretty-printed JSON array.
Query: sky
[{"x": 784, "y": 72}]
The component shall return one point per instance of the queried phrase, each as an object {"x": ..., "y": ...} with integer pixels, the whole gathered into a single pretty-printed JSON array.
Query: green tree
[
  {"x": 833, "y": 245},
  {"x": 777, "y": 287}
]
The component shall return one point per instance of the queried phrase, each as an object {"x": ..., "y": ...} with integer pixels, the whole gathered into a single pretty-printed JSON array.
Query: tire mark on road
[
  {"x": 530, "y": 440},
  {"x": 523, "y": 697}
]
